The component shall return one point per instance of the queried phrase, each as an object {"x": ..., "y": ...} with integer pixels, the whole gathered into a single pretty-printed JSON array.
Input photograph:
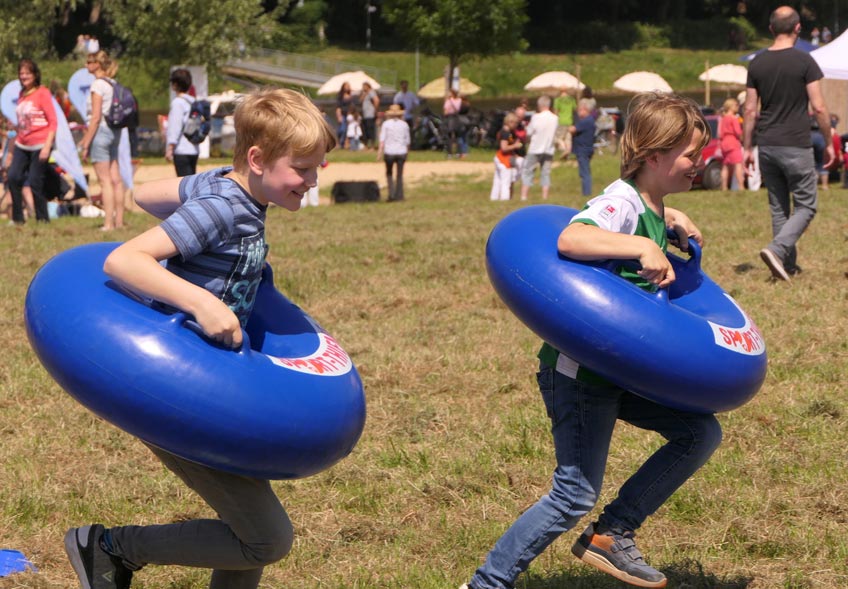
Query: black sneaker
[
  {"x": 95, "y": 568},
  {"x": 617, "y": 555}
]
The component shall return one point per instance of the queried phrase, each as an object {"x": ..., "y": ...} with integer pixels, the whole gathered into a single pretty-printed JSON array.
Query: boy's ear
[{"x": 254, "y": 159}]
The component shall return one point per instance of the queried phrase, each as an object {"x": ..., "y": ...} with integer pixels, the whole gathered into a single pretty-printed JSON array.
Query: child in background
[
  {"x": 508, "y": 144},
  {"x": 214, "y": 244},
  {"x": 730, "y": 141},
  {"x": 660, "y": 151},
  {"x": 354, "y": 129}
]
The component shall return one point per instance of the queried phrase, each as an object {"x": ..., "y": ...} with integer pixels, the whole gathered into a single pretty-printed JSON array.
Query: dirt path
[{"x": 413, "y": 172}]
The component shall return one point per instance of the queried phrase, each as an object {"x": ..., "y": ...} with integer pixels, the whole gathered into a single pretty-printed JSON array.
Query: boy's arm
[
  {"x": 135, "y": 265},
  {"x": 160, "y": 198},
  {"x": 584, "y": 242},
  {"x": 683, "y": 226}
]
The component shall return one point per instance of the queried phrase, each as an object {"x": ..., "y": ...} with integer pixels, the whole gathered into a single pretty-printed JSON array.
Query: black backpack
[
  {"x": 199, "y": 122},
  {"x": 123, "y": 112}
]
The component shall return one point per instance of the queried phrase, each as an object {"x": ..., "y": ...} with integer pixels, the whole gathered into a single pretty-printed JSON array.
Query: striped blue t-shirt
[{"x": 219, "y": 232}]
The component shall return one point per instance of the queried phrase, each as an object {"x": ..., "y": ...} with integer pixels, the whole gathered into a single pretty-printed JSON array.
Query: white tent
[
  {"x": 833, "y": 63},
  {"x": 832, "y": 58}
]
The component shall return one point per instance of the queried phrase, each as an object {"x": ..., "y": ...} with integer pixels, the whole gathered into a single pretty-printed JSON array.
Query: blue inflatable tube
[
  {"x": 689, "y": 347},
  {"x": 287, "y": 405}
]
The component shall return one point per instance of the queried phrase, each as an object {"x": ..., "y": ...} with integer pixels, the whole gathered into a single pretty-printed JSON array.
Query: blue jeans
[
  {"x": 582, "y": 420},
  {"x": 585, "y": 171},
  {"x": 789, "y": 170}
]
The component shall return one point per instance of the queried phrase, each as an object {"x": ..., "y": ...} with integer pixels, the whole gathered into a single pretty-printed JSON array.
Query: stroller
[{"x": 428, "y": 133}]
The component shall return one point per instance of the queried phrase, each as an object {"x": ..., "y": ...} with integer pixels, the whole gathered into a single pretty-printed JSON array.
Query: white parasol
[
  {"x": 553, "y": 81},
  {"x": 726, "y": 73},
  {"x": 642, "y": 82},
  {"x": 355, "y": 79}
]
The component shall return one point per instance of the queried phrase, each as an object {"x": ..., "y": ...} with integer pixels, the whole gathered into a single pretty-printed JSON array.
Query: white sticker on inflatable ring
[
  {"x": 328, "y": 360},
  {"x": 745, "y": 340}
]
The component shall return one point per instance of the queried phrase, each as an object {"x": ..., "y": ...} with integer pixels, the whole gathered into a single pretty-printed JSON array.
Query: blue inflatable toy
[
  {"x": 689, "y": 347},
  {"x": 287, "y": 405}
]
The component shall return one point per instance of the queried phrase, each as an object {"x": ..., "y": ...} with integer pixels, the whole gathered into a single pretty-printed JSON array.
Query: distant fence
[{"x": 296, "y": 68}]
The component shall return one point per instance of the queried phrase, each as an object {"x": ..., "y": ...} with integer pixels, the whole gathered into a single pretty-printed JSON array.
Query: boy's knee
[
  {"x": 709, "y": 434},
  {"x": 273, "y": 548}
]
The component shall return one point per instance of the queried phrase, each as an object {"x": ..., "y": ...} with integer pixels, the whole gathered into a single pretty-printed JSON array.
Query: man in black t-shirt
[{"x": 786, "y": 81}]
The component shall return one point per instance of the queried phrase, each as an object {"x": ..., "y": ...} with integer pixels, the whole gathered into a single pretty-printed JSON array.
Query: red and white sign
[
  {"x": 328, "y": 360},
  {"x": 745, "y": 340}
]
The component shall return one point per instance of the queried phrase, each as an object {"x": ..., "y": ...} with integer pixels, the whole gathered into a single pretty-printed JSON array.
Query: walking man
[{"x": 786, "y": 80}]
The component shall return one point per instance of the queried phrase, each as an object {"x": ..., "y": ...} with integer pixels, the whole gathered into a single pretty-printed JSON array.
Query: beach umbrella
[
  {"x": 355, "y": 79},
  {"x": 438, "y": 88},
  {"x": 553, "y": 81},
  {"x": 642, "y": 82},
  {"x": 726, "y": 73}
]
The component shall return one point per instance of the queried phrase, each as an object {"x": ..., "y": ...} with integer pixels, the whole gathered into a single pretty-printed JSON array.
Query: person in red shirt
[
  {"x": 730, "y": 137},
  {"x": 33, "y": 142}
]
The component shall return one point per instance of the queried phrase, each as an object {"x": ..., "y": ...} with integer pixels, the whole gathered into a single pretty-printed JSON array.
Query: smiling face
[
  {"x": 285, "y": 180},
  {"x": 26, "y": 77},
  {"x": 676, "y": 168}
]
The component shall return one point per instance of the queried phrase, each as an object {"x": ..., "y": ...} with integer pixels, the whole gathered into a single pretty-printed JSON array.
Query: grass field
[{"x": 456, "y": 444}]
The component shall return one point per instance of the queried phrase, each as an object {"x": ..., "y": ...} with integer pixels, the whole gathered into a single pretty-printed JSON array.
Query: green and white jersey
[{"x": 621, "y": 209}]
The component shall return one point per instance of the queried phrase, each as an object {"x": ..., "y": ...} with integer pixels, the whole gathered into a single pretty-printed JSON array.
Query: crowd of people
[{"x": 31, "y": 178}]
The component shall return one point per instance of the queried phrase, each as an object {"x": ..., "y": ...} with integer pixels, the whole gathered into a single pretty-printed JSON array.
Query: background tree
[
  {"x": 459, "y": 28},
  {"x": 191, "y": 31},
  {"x": 22, "y": 32}
]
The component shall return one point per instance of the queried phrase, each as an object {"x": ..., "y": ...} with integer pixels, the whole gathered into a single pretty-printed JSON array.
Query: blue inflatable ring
[
  {"x": 287, "y": 405},
  {"x": 689, "y": 347}
]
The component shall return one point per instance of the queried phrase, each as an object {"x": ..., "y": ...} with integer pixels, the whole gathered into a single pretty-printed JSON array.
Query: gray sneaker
[
  {"x": 617, "y": 555},
  {"x": 774, "y": 264},
  {"x": 95, "y": 568}
]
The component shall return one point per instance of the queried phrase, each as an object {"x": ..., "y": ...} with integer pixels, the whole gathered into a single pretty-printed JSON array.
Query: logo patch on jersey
[
  {"x": 328, "y": 360},
  {"x": 608, "y": 211}
]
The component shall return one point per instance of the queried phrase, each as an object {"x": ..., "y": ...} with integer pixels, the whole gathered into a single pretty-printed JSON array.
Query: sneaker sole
[
  {"x": 602, "y": 564},
  {"x": 776, "y": 267},
  {"x": 72, "y": 550}
]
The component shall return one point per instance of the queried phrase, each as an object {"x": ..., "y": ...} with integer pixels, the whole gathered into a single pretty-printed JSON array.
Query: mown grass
[{"x": 456, "y": 444}]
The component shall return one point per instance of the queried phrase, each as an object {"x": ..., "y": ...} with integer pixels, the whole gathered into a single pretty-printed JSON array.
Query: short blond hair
[
  {"x": 657, "y": 122},
  {"x": 725, "y": 108},
  {"x": 279, "y": 122}
]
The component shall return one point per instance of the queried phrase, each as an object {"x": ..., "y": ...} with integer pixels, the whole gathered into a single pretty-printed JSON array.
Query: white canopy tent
[
  {"x": 833, "y": 58},
  {"x": 834, "y": 64}
]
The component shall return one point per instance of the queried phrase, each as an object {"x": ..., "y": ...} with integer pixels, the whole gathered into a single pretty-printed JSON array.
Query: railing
[{"x": 311, "y": 68}]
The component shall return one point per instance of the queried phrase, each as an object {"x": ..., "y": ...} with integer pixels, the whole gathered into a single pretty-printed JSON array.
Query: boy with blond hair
[
  {"x": 660, "y": 152},
  {"x": 214, "y": 242}
]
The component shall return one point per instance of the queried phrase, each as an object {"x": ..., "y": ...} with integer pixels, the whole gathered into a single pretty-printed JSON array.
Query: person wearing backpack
[
  {"x": 179, "y": 149},
  {"x": 100, "y": 142}
]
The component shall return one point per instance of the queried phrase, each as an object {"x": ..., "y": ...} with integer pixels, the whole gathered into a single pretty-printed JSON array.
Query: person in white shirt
[
  {"x": 394, "y": 145},
  {"x": 180, "y": 150},
  {"x": 541, "y": 132},
  {"x": 354, "y": 129}
]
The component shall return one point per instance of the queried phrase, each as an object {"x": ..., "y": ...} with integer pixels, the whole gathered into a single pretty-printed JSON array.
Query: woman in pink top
[
  {"x": 33, "y": 142},
  {"x": 451, "y": 108},
  {"x": 730, "y": 138}
]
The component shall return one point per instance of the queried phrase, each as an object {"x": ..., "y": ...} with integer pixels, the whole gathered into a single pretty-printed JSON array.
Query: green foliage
[
  {"x": 191, "y": 31},
  {"x": 594, "y": 36},
  {"x": 22, "y": 32},
  {"x": 459, "y": 28},
  {"x": 304, "y": 26}
]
